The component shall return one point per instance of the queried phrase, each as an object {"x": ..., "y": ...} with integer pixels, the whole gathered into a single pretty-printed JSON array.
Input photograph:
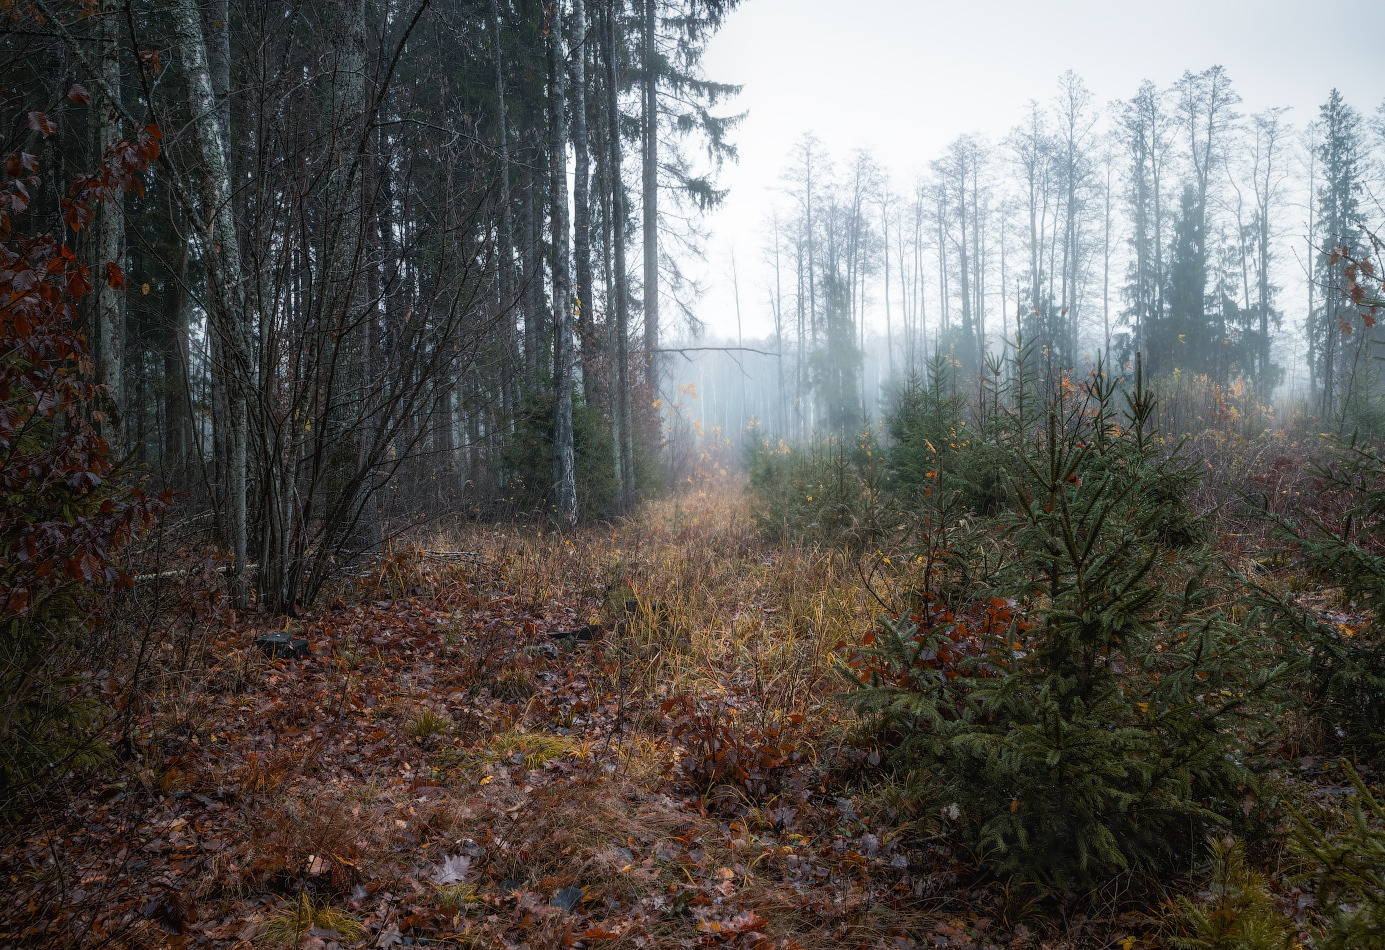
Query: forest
[{"x": 412, "y": 535}]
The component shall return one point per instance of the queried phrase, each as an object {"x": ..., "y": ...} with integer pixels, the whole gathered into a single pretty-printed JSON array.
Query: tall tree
[
  {"x": 1268, "y": 171},
  {"x": 564, "y": 463},
  {"x": 622, "y": 411},
  {"x": 649, "y": 165},
  {"x": 581, "y": 188},
  {"x": 1144, "y": 124},
  {"x": 216, "y": 230},
  {"x": 1339, "y": 348},
  {"x": 1206, "y": 108},
  {"x": 110, "y": 232}
]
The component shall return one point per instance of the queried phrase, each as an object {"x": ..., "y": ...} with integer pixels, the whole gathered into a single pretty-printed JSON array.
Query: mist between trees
[
  {"x": 395, "y": 262},
  {"x": 284, "y": 283},
  {"x": 1172, "y": 224}
]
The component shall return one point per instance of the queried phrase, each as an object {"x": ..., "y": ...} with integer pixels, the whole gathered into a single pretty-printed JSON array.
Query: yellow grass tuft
[{"x": 288, "y": 925}]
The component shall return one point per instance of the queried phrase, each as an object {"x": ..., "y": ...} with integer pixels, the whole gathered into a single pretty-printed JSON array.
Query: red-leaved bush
[{"x": 66, "y": 506}]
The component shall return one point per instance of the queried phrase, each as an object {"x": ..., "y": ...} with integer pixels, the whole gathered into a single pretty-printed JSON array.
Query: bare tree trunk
[
  {"x": 110, "y": 239},
  {"x": 176, "y": 397},
  {"x": 533, "y": 279},
  {"x": 581, "y": 193},
  {"x": 779, "y": 329},
  {"x": 507, "y": 229},
  {"x": 885, "y": 251},
  {"x": 650, "y": 89},
  {"x": 217, "y": 30},
  {"x": 564, "y": 464},
  {"x": 1106, "y": 266},
  {"x": 620, "y": 349},
  {"x": 221, "y": 250},
  {"x": 800, "y": 366}
]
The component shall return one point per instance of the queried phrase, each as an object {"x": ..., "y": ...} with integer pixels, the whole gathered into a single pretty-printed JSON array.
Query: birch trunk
[
  {"x": 564, "y": 463},
  {"x": 221, "y": 252}
]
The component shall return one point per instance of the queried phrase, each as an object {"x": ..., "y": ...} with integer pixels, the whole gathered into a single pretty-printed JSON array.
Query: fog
[{"x": 904, "y": 80}]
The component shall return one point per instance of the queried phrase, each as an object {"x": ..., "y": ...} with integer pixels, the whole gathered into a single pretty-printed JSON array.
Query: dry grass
[
  {"x": 287, "y": 925},
  {"x": 403, "y": 744},
  {"x": 692, "y": 594}
]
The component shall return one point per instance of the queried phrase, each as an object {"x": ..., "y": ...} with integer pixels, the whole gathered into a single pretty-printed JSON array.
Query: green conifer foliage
[
  {"x": 1348, "y": 871},
  {"x": 1347, "y": 550},
  {"x": 1235, "y": 911},
  {"x": 1087, "y": 714},
  {"x": 938, "y": 456}
]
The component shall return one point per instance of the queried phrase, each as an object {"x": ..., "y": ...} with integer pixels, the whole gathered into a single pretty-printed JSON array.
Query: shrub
[
  {"x": 935, "y": 456},
  {"x": 529, "y": 457},
  {"x": 68, "y": 507},
  {"x": 1235, "y": 911},
  {"x": 1083, "y": 716},
  {"x": 721, "y": 748},
  {"x": 1342, "y": 543},
  {"x": 829, "y": 492},
  {"x": 1348, "y": 871}
]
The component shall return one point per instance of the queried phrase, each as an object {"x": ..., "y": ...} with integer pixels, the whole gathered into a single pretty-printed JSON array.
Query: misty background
[{"x": 901, "y": 81}]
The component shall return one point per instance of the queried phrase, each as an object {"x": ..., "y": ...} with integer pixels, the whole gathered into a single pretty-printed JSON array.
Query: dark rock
[
  {"x": 567, "y": 899},
  {"x": 590, "y": 632},
  {"x": 282, "y": 646}
]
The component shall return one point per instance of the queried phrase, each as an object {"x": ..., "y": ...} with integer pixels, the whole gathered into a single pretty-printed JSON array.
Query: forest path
[{"x": 440, "y": 767}]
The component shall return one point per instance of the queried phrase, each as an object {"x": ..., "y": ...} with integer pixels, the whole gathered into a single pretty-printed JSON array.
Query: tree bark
[
  {"x": 110, "y": 239},
  {"x": 620, "y": 349},
  {"x": 581, "y": 190},
  {"x": 221, "y": 251},
  {"x": 178, "y": 438},
  {"x": 564, "y": 464},
  {"x": 650, "y": 90}
]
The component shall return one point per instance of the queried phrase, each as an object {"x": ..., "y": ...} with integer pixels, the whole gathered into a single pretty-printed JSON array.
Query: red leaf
[
  {"x": 41, "y": 124},
  {"x": 78, "y": 94},
  {"x": 78, "y": 282},
  {"x": 114, "y": 277}
]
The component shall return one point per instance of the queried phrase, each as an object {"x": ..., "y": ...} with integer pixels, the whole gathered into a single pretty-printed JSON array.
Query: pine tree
[
  {"x": 1338, "y": 345},
  {"x": 1185, "y": 340},
  {"x": 1087, "y": 716}
]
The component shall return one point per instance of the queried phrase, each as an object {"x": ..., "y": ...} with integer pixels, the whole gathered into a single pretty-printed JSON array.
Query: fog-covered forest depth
[{"x": 485, "y": 473}]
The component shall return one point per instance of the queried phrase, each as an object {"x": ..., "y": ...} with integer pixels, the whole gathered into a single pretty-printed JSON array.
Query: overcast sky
[{"x": 905, "y": 77}]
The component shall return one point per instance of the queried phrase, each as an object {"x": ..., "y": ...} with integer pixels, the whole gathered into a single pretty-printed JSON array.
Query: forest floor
[{"x": 445, "y": 769}]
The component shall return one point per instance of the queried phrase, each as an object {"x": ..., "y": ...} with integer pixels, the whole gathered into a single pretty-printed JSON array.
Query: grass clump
[
  {"x": 428, "y": 723},
  {"x": 455, "y": 898},
  {"x": 535, "y": 750},
  {"x": 287, "y": 926}
]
